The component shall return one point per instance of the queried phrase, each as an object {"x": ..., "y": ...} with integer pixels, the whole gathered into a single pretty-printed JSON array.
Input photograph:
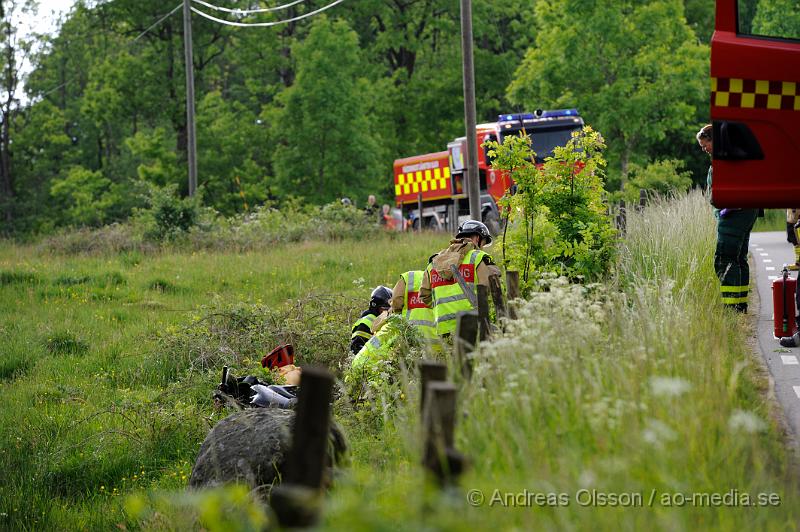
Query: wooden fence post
[
  {"x": 512, "y": 287},
  {"x": 622, "y": 221},
  {"x": 483, "y": 311},
  {"x": 500, "y": 305},
  {"x": 439, "y": 419},
  {"x": 430, "y": 371},
  {"x": 465, "y": 340},
  {"x": 642, "y": 198},
  {"x": 298, "y": 500}
]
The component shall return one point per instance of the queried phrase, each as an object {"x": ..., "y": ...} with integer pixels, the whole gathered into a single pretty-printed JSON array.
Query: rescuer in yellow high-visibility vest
[
  {"x": 362, "y": 328},
  {"x": 407, "y": 302},
  {"x": 368, "y": 362},
  {"x": 441, "y": 290}
]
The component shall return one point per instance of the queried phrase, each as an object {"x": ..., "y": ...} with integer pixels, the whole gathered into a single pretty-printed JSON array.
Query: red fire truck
[
  {"x": 436, "y": 181},
  {"x": 755, "y": 110}
]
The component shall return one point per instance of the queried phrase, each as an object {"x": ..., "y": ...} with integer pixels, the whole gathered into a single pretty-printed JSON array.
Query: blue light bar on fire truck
[
  {"x": 515, "y": 120},
  {"x": 539, "y": 114}
]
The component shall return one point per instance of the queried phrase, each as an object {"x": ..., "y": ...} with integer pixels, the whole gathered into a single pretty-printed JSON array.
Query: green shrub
[
  {"x": 657, "y": 178},
  {"x": 557, "y": 218},
  {"x": 239, "y": 335},
  {"x": 65, "y": 343},
  {"x": 167, "y": 215},
  {"x": 17, "y": 277}
]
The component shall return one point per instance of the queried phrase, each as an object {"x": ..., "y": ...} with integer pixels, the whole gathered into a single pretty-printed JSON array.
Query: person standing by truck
[{"x": 733, "y": 238}]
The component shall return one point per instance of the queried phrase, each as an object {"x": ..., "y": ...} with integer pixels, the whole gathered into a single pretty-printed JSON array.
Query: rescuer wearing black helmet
[
  {"x": 379, "y": 301},
  {"x": 472, "y": 228},
  {"x": 450, "y": 294}
]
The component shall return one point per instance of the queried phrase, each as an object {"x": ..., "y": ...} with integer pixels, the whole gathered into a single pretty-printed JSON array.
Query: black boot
[{"x": 791, "y": 341}]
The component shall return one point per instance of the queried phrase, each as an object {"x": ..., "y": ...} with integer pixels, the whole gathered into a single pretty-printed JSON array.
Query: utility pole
[
  {"x": 191, "y": 143},
  {"x": 473, "y": 184}
]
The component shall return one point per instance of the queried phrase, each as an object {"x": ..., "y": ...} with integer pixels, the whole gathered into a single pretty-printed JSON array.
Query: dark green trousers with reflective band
[{"x": 730, "y": 259}]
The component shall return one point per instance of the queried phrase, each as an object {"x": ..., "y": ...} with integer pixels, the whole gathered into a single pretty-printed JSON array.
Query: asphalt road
[{"x": 770, "y": 252}]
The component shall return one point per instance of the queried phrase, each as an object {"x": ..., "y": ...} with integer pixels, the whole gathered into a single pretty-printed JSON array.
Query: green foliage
[
  {"x": 634, "y": 69},
  {"x": 83, "y": 197},
  {"x": 327, "y": 104},
  {"x": 557, "y": 221},
  {"x": 158, "y": 164},
  {"x": 168, "y": 216},
  {"x": 230, "y": 143},
  {"x": 239, "y": 335},
  {"x": 661, "y": 177},
  {"x": 65, "y": 342},
  {"x": 777, "y": 18}
]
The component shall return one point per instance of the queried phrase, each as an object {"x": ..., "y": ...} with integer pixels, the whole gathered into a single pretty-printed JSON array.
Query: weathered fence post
[
  {"x": 642, "y": 199},
  {"x": 297, "y": 501},
  {"x": 512, "y": 287},
  {"x": 483, "y": 311},
  {"x": 465, "y": 340},
  {"x": 622, "y": 221},
  {"x": 497, "y": 295},
  {"x": 430, "y": 371},
  {"x": 439, "y": 419}
]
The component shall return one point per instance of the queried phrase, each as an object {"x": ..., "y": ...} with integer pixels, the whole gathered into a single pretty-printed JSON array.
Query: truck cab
[{"x": 755, "y": 107}]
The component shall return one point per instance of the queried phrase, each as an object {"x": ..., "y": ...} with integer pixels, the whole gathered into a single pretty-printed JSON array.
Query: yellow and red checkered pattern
[
  {"x": 422, "y": 181},
  {"x": 755, "y": 94}
]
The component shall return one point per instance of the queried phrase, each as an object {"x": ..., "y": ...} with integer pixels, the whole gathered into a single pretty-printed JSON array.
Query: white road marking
[
  {"x": 759, "y": 249},
  {"x": 797, "y": 391},
  {"x": 766, "y": 260},
  {"x": 790, "y": 360},
  {"x": 764, "y": 254},
  {"x": 769, "y": 268}
]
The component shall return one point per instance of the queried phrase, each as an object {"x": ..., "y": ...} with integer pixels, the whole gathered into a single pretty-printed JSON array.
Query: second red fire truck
[{"x": 437, "y": 181}]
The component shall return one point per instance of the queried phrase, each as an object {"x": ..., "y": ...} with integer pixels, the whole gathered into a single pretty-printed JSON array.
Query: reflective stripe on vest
[
  {"x": 366, "y": 320},
  {"x": 416, "y": 312},
  {"x": 449, "y": 300}
]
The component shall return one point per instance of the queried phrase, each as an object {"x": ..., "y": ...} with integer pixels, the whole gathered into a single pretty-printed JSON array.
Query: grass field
[{"x": 640, "y": 389}]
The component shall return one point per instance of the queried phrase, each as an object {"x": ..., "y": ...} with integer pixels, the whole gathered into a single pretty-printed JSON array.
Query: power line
[
  {"x": 265, "y": 24},
  {"x": 248, "y": 11},
  {"x": 159, "y": 21},
  {"x": 156, "y": 23}
]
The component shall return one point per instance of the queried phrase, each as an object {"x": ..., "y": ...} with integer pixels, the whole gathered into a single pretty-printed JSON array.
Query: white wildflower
[
  {"x": 669, "y": 386},
  {"x": 742, "y": 420},
  {"x": 657, "y": 433}
]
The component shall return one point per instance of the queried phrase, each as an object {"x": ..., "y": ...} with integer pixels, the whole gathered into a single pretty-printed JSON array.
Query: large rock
[{"x": 250, "y": 447}]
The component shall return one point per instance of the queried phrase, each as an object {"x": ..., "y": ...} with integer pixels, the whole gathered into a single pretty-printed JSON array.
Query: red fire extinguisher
[{"x": 783, "y": 309}]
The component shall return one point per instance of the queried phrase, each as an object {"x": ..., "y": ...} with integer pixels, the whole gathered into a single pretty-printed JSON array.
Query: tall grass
[
  {"x": 102, "y": 395},
  {"x": 643, "y": 386}
]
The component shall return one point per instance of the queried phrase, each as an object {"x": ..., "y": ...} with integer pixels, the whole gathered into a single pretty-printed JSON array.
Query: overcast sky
[{"x": 44, "y": 21}]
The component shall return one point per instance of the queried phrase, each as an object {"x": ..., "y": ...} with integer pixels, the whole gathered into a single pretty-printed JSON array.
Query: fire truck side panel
[
  {"x": 755, "y": 108},
  {"x": 428, "y": 175}
]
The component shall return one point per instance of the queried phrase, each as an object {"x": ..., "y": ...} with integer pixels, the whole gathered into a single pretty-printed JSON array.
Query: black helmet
[
  {"x": 380, "y": 297},
  {"x": 474, "y": 227}
]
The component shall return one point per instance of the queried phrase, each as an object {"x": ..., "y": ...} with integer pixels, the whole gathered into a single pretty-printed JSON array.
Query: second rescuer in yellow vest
[{"x": 442, "y": 291}]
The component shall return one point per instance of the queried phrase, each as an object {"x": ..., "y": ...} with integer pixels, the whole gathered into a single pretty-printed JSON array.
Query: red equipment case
[{"x": 783, "y": 307}]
